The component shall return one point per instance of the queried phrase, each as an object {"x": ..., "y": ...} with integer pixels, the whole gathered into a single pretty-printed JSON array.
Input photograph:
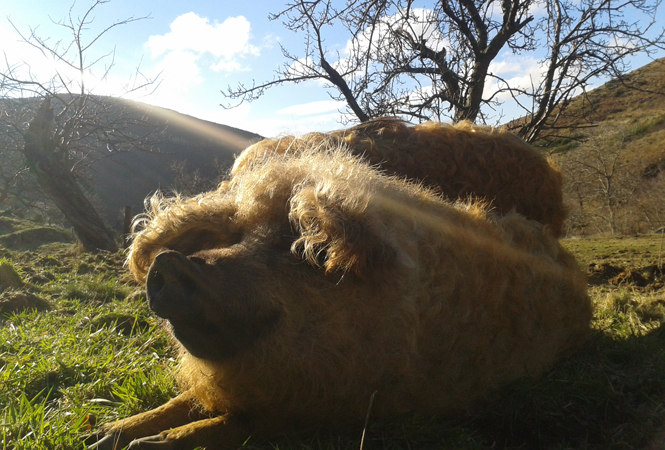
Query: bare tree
[
  {"x": 18, "y": 192},
  {"x": 434, "y": 60},
  {"x": 189, "y": 182},
  {"x": 585, "y": 40},
  {"x": 54, "y": 127},
  {"x": 601, "y": 183},
  {"x": 650, "y": 199}
]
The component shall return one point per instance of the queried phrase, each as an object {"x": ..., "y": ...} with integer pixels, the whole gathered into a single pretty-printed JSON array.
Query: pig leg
[
  {"x": 222, "y": 432},
  {"x": 116, "y": 435}
]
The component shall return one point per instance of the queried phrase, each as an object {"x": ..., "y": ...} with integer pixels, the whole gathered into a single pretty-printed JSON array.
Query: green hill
[{"x": 635, "y": 104}]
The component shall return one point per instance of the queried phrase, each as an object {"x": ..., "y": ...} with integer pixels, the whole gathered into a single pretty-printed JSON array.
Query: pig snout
[
  {"x": 174, "y": 284},
  {"x": 212, "y": 312}
]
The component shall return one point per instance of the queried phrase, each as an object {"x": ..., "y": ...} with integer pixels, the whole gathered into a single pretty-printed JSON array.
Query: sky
[{"x": 196, "y": 49}]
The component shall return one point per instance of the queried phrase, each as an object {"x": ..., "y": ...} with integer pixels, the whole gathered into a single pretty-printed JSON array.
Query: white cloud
[
  {"x": 225, "y": 42},
  {"x": 26, "y": 62},
  {"x": 620, "y": 43},
  {"x": 313, "y": 108},
  {"x": 228, "y": 66},
  {"x": 182, "y": 56},
  {"x": 538, "y": 8},
  {"x": 519, "y": 72},
  {"x": 180, "y": 67},
  {"x": 300, "y": 68},
  {"x": 511, "y": 65},
  {"x": 420, "y": 24},
  {"x": 179, "y": 75}
]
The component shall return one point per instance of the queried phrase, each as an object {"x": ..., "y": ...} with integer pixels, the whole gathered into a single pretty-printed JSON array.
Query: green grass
[
  {"x": 95, "y": 355},
  {"x": 646, "y": 125},
  {"x": 634, "y": 251},
  {"x": 99, "y": 355},
  {"x": 561, "y": 144}
]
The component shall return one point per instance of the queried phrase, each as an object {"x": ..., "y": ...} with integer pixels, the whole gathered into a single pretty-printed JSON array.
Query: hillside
[
  {"x": 198, "y": 146},
  {"x": 614, "y": 164},
  {"x": 635, "y": 104},
  {"x": 183, "y": 153}
]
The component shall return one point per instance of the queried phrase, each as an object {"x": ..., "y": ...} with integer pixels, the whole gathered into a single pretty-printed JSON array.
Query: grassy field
[{"x": 87, "y": 350}]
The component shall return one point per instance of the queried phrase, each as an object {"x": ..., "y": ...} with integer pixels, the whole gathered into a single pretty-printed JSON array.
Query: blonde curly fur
[
  {"x": 381, "y": 285},
  {"x": 461, "y": 161}
]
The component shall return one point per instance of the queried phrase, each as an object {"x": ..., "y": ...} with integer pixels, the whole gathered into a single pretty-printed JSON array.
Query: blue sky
[{"x": 198, "y": 48}]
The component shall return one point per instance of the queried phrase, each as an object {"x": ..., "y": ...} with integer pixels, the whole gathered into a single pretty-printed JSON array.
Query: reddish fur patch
[
  {"x": 461, "y": 161},
  {"x": 380, "y": 285}
]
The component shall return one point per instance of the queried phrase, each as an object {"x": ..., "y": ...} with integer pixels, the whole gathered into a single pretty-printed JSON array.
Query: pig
[
  {"x": 460, "y": 161},
  {"x": 310, "y": 283}
]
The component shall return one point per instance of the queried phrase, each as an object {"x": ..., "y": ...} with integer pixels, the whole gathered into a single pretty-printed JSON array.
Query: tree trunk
[{"x": 61, "y": 186}]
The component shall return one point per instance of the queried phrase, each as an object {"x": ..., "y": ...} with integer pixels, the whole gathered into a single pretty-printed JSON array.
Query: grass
[
  {"x": 638, "y": 113},
  {"x": 95, "y": 354},
  {"x": 644, "y": 126},
  {"x": 99, "y": 354},
  {"x": 633, "y": 251}
]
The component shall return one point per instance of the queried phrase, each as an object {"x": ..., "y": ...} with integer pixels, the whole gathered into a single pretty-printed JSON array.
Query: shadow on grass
[{"x": 608, "y": 395}]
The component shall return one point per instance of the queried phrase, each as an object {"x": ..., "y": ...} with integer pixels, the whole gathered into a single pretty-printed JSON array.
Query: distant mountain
[{"x": 199, "y": 147}]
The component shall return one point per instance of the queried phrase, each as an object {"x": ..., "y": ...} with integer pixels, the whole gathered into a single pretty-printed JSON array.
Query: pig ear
[{"x": 335, "y": 232}]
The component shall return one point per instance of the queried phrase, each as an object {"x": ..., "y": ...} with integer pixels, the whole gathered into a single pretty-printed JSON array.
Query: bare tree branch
[
  {"x": 433, "y": 60},
  {"x": 55, "y": 126}
]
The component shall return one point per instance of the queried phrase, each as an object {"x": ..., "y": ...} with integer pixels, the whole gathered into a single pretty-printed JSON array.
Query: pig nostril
[{"x": 155, "y": 283}]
